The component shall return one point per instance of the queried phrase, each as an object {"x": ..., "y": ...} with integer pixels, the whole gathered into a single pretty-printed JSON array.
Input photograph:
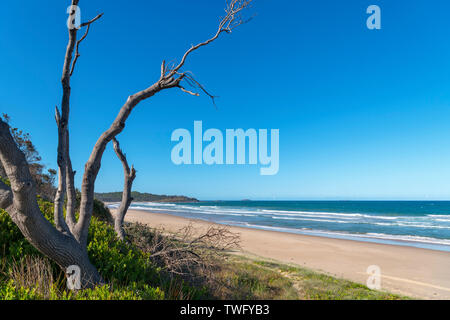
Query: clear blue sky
[{"x": 362, "y": 114}]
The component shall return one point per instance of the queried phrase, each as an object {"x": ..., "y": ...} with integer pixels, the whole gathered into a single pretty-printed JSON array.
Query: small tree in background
[{"x": 43, "y": 178}]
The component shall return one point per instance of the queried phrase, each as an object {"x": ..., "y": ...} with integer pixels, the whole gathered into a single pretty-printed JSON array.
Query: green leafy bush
[
  {"x": 101, "y": 212},
  {"x": 12, "y": 243},
  {"x": 133, "y": 292},
  {"x": 5, "y": 181},
  {"x": 10, "y": 291},
  {"x": 118, "y": 261},
  {"x": 126, "y": 269}
]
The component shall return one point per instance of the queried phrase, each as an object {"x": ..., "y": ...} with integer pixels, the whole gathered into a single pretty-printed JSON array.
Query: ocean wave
[
  {"x": 316, "y": 220},
  {"x": 409, "y": 238},
  {"x": 347, "y": 235},
  {"x": 422, "y": 226},
  {"x": 314, "y": 212},
  {"x": 382, "y": 226},
  {"x": 409, "y": 225},
  {"x": 439, "y": 215},
  {"x": 181, "y": 210},
  {"x": 329, "y": 217},
  {"x": 329, "y": 214}
]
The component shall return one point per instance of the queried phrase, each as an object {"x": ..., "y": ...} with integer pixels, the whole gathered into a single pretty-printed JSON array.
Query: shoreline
[
  {"x": 411, "y": 271},
  {"x": 375, "y": 228},
  {"x": 345, "y": 236}
]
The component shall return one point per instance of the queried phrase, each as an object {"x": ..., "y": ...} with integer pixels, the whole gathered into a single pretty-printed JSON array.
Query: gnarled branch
[
  {"x": 129, "y": 176},
  {"x": 77, "y": 51}
]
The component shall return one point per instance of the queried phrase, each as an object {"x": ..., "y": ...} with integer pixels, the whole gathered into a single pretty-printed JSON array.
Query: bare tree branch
[
  {"x": 66, "y": 183},
  {"x": 77, "y": 52},
  {"x": 62, "y": 120},
  {"x": 129, "y": 176},
  {"x": 91, "y": 21},
  {"x": 189, "y": 92},
  {"x": 231, "y": 20},
  {"x": 191, "y": 252},
  {"x": 189, "y": 78},
  {"x": 167, "y": 80}
]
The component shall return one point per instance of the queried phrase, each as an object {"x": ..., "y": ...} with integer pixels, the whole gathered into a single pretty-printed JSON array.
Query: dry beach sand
[{"x": 415, "y": 272}]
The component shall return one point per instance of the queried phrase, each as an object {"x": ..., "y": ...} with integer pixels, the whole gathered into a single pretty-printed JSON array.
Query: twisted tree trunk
[
  {"x": 129, "y": 176},
  {"x": 20, "y": 202},
  {"x": 93, "y": 165}
]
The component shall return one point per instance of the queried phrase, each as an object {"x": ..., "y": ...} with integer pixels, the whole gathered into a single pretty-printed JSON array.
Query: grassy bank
[
  {"x": 261, "y": 279},
  {"x": 153, "y": 264}
]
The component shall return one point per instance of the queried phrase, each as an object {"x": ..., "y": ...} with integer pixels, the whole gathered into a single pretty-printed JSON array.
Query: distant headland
[{"x": 142, "y": 197}]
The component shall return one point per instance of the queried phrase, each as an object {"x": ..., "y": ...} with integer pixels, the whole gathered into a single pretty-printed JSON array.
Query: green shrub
[
  {"x": 13, "y": 245},
  {"x": 118, "y": 261},
  {"x": 5, "y": 181},
  {"x": 101, "y": 212},
  {"x": 127, "y": 270},
  {"x": 9, "y": 291},
  {"x": 133, "y": 292}
]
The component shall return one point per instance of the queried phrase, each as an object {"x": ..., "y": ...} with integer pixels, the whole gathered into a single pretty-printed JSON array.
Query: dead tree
[
  {"x": 67, "y": 243},
  {"x": 129, "y": 176},
  {"x": 66, "y": 175}
]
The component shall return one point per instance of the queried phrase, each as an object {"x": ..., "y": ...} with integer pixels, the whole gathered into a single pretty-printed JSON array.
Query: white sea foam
[
  {"x": 345, "y": 235},
  {"x": 439, "y": 215},
  {"x": 328, "y": 214},
  {"x": 309, "y": 220},
  {"x": 306, "y": 219}
]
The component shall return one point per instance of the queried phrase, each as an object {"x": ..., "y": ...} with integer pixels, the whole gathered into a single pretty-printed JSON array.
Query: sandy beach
[{"x": 418, "y": 273}]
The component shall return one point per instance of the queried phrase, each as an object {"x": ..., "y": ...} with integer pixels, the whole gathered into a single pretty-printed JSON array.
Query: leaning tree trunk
[
  {"x": 129, "y": 176},
  {"x": 20, "y": 201}
]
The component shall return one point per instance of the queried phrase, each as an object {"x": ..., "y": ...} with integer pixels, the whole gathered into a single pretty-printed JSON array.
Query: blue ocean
[{"x": 424, "y": 224}]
